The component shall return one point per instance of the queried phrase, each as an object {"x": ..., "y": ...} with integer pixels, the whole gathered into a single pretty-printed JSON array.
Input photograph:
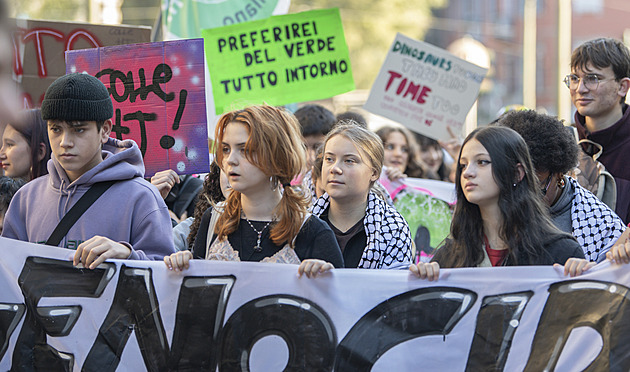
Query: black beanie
[{"x": 75, "y": 97}]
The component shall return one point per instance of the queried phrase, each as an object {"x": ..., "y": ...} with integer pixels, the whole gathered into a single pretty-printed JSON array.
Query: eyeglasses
[
  {"x": 590, "y": 81},
  {"x": 548, "y": 182}
]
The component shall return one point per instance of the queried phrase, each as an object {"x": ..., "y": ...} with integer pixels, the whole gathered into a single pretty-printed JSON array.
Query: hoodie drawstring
[{"x": 61, "y": 211}]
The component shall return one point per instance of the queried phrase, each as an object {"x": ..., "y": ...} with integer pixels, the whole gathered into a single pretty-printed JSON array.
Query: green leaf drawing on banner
[{"x": 423, "y": 210}]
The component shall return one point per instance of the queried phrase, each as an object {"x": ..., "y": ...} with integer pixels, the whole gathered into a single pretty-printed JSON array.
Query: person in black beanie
[{"x": 128, "y": 221}]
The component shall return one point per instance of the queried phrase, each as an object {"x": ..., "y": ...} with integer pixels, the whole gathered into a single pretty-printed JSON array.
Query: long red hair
[{"x": 276, "y": 147}]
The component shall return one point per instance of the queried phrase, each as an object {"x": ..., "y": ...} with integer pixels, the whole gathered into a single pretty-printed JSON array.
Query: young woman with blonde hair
[
  {"x": 264, "y": 218},
  {"x": 371, "y": 234}
]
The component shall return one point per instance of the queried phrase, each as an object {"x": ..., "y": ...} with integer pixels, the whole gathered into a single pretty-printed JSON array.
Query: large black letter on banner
[
  {"x": 603, "y": 306},
  {"x": 497, "y": 321},
  {"x": 304, "y": 326},
  {"x": 200, "y": 312},
  {"x": 417, "y": 313},
  {"x": 10, "y": 316},
  {"x": 44, "y": 277},
  {"x": 135, "y": 307}
]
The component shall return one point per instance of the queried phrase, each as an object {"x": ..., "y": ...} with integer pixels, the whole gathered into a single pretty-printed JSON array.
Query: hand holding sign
[{"x": 164, "y": 181}]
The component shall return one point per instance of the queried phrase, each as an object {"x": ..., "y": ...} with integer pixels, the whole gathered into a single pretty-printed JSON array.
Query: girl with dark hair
[
  {"x": 264, "y": 218},
  {"x": 25, "y": 148},
  {"x": 432, "y": 156},
  {"x": 401, "y": 153},
  {"x": 499, "y": 219}
]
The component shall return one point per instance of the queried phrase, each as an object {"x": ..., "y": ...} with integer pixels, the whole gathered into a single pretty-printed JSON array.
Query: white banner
[
  {"x": 136, "y": 315},
  {"x": 425, "y": 88}
]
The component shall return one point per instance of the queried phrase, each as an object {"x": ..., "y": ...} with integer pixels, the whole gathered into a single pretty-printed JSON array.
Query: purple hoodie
[{"x": 131, "y": 211}]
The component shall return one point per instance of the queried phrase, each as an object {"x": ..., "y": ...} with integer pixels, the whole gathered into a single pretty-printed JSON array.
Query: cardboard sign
[
  {"x": 278, "y": 60},
  {"x": 39, "y": 47},
  {"x": 158, "y": 91},
  {"x": 186, "y": 18},
  {"x": 425, "y": 88},
  {"x": 230, "y": 316}
]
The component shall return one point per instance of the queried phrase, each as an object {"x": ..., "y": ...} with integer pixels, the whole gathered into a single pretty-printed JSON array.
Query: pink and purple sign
[{"x": 158, "y": 92}]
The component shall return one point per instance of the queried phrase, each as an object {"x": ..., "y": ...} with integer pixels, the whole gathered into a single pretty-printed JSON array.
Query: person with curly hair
[
  {"x": 215, "y": 190},
  {"x": 8, "y": 187},
  {"x": 573, "y": 209}
]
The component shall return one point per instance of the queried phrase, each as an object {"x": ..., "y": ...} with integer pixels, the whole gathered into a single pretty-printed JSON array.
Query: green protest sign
[
  {"x": 278, "y": 60},
  {"x": 186, "y": 18}
]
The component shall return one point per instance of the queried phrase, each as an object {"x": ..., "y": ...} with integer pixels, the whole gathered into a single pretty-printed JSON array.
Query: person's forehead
[
  {"x": 73, "y": 124},
  {"x": 340, "y": 145},
  {"x": 473, "y": 148},
  {"x": 396, "y": 137},
  {"x": 589, "y": 68},
  {"x": 431, "y": 148}
]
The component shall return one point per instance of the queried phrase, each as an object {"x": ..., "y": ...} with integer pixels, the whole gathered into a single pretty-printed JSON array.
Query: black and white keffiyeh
[
  {"x": 309, "y": 186},
  {"x": 388, "y": 237},
  {"x": 595, "y": 226}
]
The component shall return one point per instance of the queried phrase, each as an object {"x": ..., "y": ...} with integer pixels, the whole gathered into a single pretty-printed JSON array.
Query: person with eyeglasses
[
  {"x": 599, "y": 82},
  {"x": 573, "y": 209}
]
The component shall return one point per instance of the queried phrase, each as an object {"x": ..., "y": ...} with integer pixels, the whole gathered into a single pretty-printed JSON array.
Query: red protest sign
[
  {"x": 158, "y": 92},
  {"x": 39, "y": 47}
]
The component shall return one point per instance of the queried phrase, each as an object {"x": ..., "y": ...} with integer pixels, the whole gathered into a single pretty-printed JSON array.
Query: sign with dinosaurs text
[
  {"x": 158, "y": 91},
  {"x": 244, "y": 316},
  {"x": 425, "y": 88},
  {"x": 278, "y": 60},
  {"x": 39, "y": 47}
]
